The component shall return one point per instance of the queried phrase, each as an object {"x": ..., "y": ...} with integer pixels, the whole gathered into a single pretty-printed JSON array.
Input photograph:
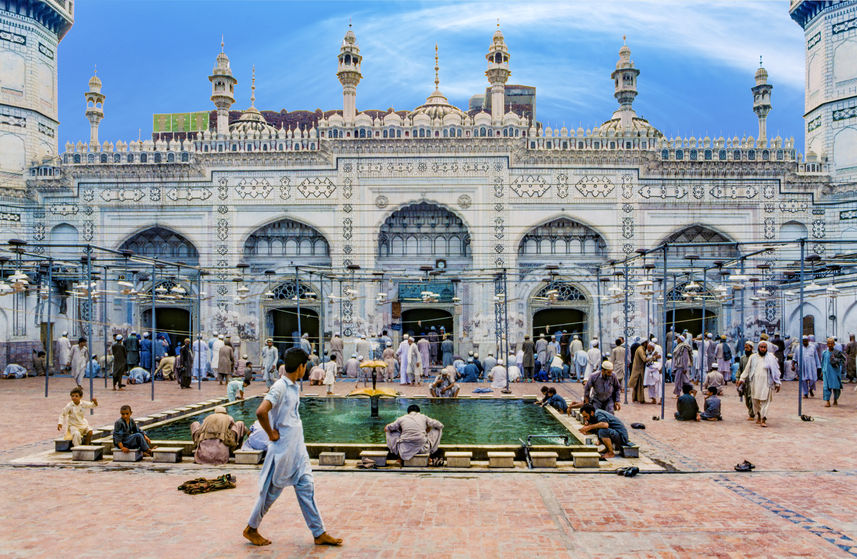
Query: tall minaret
[
  {"x": 349, "y": 75},
  {"x": 222, "y": 90},
  {"x": 94, "y": 107},
  {"x": 762, "y": 100},
  {"x": 625, "y": 86},
  {"x": 498, "y": 73}
]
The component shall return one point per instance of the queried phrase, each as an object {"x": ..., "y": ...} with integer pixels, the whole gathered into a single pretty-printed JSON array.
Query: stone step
[
  {"x": 134, "y": 455},
  {"x": 458, "y": 459},
  {"x": 249, "y": 456},
  {"x": 331, "y": 459},
  {"x": 501, "y": 459},
  {"x": 417, "y": 461},
  {"x": 170, "y": 454},
  {"x": 631, "y": 451},
  {"x": 62, "y": 445},
  {"x": 590, "y": 440},
  {"x": 87, "y": 453},
  {"x": 544, "y": 459},
  {"x": 585, "y": 459},
  {"x": 378, "y": 456}
]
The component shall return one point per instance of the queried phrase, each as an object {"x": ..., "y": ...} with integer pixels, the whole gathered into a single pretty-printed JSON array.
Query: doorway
[
  {"x": 283, "y": 327},
  {"x": 690, "y": 319},
  {"x": 419, "y": 321},
  {"x": 548, "y": 321},
  {"x": 173, "y": 321}
]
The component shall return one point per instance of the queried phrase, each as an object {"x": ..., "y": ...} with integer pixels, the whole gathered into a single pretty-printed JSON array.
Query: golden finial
[
  {"x": 253, "y": 88},
  {"x": 436, "y": 69},
  {"x": 95, "y": 68},
  {"x": 221, "y": 43},
  {"x": 498, "y": 23},
  {"x": 623, "y": 39}
]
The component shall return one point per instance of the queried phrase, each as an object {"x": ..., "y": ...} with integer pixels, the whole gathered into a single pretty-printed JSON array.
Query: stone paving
[{"x": 798, "y": 503}]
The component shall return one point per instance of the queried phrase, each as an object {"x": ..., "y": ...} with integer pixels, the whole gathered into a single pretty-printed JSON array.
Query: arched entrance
[
  {"x": 173, "y": 321},
  {"x": 559, "y": 306},
  {"x": 419, "y": 321},
  {"x": 268, "y": 246},
  {"x": 549, "y": 321},
  {"x": 281, "y": 316},
  {"x": 688, "y": 310}
]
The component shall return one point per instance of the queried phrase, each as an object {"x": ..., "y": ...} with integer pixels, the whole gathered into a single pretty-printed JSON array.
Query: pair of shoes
[
  {"x": 806, "y": 418},
  {"x": 744, "y": 466},
  {"x": 637, "y": 426},
  {"x": 628, "y": 472}
]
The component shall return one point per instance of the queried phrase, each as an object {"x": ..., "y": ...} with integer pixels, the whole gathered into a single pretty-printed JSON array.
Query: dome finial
[
  {"x": 253, "y": 88},
  {"x": 760, "y": 61},
  {"x": 498, "y": 23},
  {"x": 95, "y": 69},
  {"x": 436, "y": 69},
  {"x": 623, "y": 39},
  {"x": 221, "y": 42}
]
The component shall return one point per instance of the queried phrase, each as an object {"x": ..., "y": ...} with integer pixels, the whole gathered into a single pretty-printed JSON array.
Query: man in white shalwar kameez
[
  {"x": 79, "y": 360},
  {"x": 415, "y": 362},
  {"x": 201, "y": 357},
  {"x": 402, "y": 354},
  {"x": 270, "y": 356},
  {"x": 593, "y": 363},
  {"x": 63, "y": 352},
  {"x": 215, "y": 354},
  {"x": 286, "y": 461},
  {"x": 762, "y": 375}
]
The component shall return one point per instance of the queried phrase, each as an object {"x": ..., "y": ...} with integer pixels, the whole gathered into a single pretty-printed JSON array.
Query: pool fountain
[{"x": 375, "y": 394}]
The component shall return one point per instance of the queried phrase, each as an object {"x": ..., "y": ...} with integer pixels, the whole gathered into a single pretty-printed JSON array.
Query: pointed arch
[
  {"x": 423, "y": 232},
  {"x": 298, "y": 241},
  {"x": 165, "y": 244}
]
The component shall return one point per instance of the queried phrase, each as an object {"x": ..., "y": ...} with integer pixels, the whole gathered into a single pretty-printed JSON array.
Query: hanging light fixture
[{"x": 243, "y": 289}]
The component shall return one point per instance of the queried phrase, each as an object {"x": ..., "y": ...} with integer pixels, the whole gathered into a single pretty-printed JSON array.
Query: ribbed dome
[
  {"x": 437, "y": 106},
  {"x": 638, "y": 124},
  {"x": 252, "y": 121}
]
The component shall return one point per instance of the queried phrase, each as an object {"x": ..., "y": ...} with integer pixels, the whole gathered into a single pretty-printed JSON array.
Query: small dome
[
  {"x": 638, "y": 124},
  {"x": 350, "y": 38},
  {"x": 437, "y": 106},
  {"x": 252, "y": 120},
  {"x": 761, "y": 75},
  {"x": 94, "y": 82}
]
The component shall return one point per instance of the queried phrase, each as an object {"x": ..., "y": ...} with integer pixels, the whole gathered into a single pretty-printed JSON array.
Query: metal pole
[
  {"x": 598, "y": 294},
  {"x": 50, "y": 344},
  {"x": 321, "y": 322},
  {"x": 664, "y": 330},
  {"x": 704, "y": 367},
  {"x": 800, "y": 340},
  {"x": 89, "y": 319},
  {"x": 198, "y": 329},
  {"x": 506, "y": 327},
  {"x": 154, "y": 332},
  {"x": 104, "y": 326},
  {"x": 626, "y": 336},
  {"x": 741, "y": 316}
]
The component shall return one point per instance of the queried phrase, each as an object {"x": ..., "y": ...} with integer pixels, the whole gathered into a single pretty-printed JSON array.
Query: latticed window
[
  {"x": 565, "y": 292},
  {"x": 699, "y": 234},
  {"x": 158, "y": 242},
  {"x": 562, "y": 237},
  {"x": 286, "y": 291},
  {"x": 423, "y": 230},
  {"x": 286, "y": 238}
]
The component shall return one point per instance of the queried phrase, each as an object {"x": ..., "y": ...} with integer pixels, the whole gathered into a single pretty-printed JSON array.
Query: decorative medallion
[
  {"x": 382, "y": 201},
  {"x": 316, "y": 187},
  {"x": 464, "y": 201}
]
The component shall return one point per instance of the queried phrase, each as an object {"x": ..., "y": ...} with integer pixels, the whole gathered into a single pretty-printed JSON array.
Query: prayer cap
[
  {"x": 353, "y": 355},
  {"x": 389, "y": 344},
  {"x": 501, "y": 362},
  {"x": 269, "y": 340},
  {"x": 607, "y": 366},
  {"x": 220, "y": 409},
  {"x": 118, "y": 337},
  {"x": 360, "y": 357},
  {"x": 220, "y": 336}
]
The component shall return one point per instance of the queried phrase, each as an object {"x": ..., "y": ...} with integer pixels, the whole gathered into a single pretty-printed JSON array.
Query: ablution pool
[{"x": 475, "y": 421}]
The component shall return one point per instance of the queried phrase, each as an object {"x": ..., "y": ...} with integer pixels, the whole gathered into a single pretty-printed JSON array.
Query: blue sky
[{"x": 697, "y": 59}]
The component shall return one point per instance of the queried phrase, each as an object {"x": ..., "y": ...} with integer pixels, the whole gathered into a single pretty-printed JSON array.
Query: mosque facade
[{"x": 480, "y": 221}]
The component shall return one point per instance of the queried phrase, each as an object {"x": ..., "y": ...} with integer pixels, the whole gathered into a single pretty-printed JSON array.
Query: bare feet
[
  {"x": 750, "y": 418},
  {"x": 827, "y": 404},
  {"x": 255, "y": 537},
  {"x": 608, "y": 455},
  {"x": 763, "y": 424},
  {"x": 323, "y": 539}
]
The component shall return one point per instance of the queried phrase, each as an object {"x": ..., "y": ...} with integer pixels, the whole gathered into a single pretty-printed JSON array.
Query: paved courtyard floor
[{"x": 800, "y": 501}]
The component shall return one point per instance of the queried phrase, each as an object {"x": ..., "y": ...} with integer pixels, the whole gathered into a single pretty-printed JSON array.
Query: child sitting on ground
[
  {"x": 73, "y": 421},
  {"x": 712, "y": 406},
  {"x": 714, "y": 378},
  {"x": 127, "y": 436},
  {"x": 686, "y": 406}
]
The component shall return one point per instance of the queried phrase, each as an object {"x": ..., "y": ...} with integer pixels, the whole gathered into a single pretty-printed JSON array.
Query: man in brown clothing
[
  {"x": 638, "y": 369},
  {"x": 225, "y": 362},
  {"x": 851, "y": 361},
  {"x": 617, "y": 358},
  {"x": 529, "y": 360}
]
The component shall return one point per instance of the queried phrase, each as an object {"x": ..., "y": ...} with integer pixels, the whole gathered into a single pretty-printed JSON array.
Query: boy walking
[{"x": 73, "y": 421}]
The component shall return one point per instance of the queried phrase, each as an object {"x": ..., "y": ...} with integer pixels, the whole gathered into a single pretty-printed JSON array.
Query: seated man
[
  {"x": 139, "y": 375},
  {"x": 13, "y": 370},
  {"x": 471, "y": 371},
  {"x": 257, "y": 439},
  {"x": 444, "y": 384},
  {"x": 39, "y": 364},
  {"x": 714, "y": 378},
  {"x": 686, "y": 406},
  {"x": 216, "y": 438},
  {"x": 414, "y": 434},
  {"x": 352, "y": 367},
  {"x": 607, "y": 427},
  {"x": 497, "y": 375},
  {"x": 712, "y": 406},
  {"x": 604, "y": 389},
  {"x": 235, "y": 389},
  {"x": 127, "y": 436},
  {"x": 554, "y": 400}
]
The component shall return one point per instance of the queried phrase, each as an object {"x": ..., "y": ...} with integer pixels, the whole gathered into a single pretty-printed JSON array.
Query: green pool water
[{"x": 347, "y": 420}]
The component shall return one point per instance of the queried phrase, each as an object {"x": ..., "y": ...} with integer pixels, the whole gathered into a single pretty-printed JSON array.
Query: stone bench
[
  {"x": 590, "y": 440},
  {"x": 544, "y": 459},
  {"x": 249, "y": 456},
  {"x": 377, "y": 456},
  {"x": 501, "y": 459},
  {"x": 87, "y": 453},
  {"x": 134, "y": 455},
  {"x": 331, "y": 459},
  {"x": 631, "y": 450},
  {"x": 171, "y": 454},
  {"x": 62, "y": 445},
  {"x": 143, "y": 420},
  {"x": 417, "y": 461},
  {"x": 158, "y": 417},
  {"x": 458, "y": 459},
  {"x": 585, "y": 459}
]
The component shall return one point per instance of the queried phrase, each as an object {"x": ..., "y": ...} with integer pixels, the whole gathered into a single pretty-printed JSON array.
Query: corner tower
[
  {"x": 498, "y": 74},
  {"x": 94, "y": 108},
  {"x": 30, "y": 32},
  {"x": 222, "y": 90},
  {"x": 348, "y": 72},
  {"x": 830, "y": 113},
  {"x": 762, "y": 100}
]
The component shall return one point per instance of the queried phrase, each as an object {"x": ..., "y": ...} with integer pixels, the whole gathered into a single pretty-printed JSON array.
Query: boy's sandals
[{"x": 744, "y": 466}]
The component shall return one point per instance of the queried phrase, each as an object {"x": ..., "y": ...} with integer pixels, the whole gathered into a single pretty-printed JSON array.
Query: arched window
[
  {"x": 159, "y": 242},
  {"x": 701, "y": 235},
  {"x": 418, "y": 234},
  {"x": 561, "y": 238},
  {"x": 300, "y": 242}
]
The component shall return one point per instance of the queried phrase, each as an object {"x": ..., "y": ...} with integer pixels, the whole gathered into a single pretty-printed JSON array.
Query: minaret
[
  {"x": 94, "y": 107},
  {"x": 625, "y": 86},
  {"x": 762, "y": 100},
  {"x": 349, "y": 75},
  {"x": 498, "y": 73},
  {"x": 222, "y": 90}
]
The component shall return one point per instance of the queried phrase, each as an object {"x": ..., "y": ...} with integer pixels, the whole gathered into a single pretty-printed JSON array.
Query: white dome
[
  {"x": 437, "y": 107},
  {"x": 252, "y": 121}
]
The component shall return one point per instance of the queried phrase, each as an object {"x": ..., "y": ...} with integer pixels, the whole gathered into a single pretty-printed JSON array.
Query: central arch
[
  {"x": 281, "y": 315},
  {"x": 702, "y": 235},
  {"x": 299, "y": 242},
  {"x": 162, "y": 243},
  {"x": 560, "y": 238},
  {"x": 559, "y": 306},
  {"x": 421, "y": 233}
]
